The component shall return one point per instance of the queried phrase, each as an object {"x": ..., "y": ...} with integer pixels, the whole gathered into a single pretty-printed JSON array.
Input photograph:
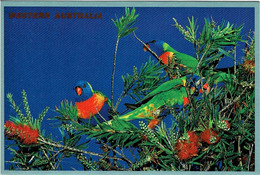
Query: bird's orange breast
[
  {"x": 166, "y": 56},
  {"x": 91, "y": 106}
]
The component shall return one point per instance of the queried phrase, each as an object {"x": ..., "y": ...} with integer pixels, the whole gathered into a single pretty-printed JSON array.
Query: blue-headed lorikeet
[
  {"x": 89, "y": 102},
  {"x": 166, "y": 53}
]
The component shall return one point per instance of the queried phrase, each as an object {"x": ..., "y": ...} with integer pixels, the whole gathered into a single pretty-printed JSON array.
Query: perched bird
[
  {"x": 172, "y": 93},
  {"x": 166, "y": 53},
  {"x": 185, "y": 62},
  {"x": 89, "y": 102}
]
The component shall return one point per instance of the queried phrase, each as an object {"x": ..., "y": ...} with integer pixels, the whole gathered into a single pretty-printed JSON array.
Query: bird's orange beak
[
  {"x": 144, "y": 48},
  {"x": 78, "y": 90}
]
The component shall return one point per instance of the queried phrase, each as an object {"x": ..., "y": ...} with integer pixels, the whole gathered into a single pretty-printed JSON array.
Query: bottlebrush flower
[
  {"x": 193, "y": 138},
  {"x": 224, "y": 124},
  {"x": 187, "y": 148},
  {"x": 24, "y": 133},
  {"x": 209, "y": 136}
]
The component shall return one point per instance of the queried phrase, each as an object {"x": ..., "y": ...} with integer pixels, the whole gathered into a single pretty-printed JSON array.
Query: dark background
[{"x": 46, "y": 57}]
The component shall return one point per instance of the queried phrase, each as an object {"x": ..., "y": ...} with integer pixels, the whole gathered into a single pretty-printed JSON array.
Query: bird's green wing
[
  {"x": 182, "y": 58},
  {"x": 165, "y": 87}
]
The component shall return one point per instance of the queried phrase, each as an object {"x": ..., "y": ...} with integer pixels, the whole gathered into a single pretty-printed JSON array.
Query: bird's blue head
[
  {"x": 83, "y": 91},
  {"x": 156, "y": 46}
]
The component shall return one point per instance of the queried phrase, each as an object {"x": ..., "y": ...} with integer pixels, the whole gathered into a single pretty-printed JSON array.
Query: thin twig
[
  {"x": 122, "y": 95},
  {"x": 246, "y": 45},
  {"x": 234, "y": 101},
  {"x": 45, "y": 154},
  {"x": 249, "y": 156},
  {"x": 100, "y": 115},
  {"x": 235, "y": 61},
  {"x": 131, "y": 151},
  {"x": 239, "y": 151},
  {"x": 42, "y": 140},
  {"x": 167, "y": 138},
  {"x": 200, "y": 61},
  {"x": 58, "y": 152},
  {"x": 113, "y": 73},
  {"x": 152, "y": 52},
  {"x": 208, "y": 166},
  {"x": 123, "y": 156},
  {"x": 20, "y": 163},
  {"x": 59, "y": 161}
]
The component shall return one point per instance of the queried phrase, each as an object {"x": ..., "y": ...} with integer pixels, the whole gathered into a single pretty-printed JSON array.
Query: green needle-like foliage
[
  {"x": 211, "y": 45},
  {"x": 124, "y": 23},
  {"x": 27, "y": 118},
  {"x": 141, "y": 82}
]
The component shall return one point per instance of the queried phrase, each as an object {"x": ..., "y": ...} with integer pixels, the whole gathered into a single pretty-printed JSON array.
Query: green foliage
[
  {"x": 250, "y": 48},
  {"x": 214, "y": 41},
  {"x": 141, "y": 82},
  {"x": 27, "y": 118},
  {"x": 68, "y": 112},
  {"x": 86, "y": 163},
  {"x": 27, "y": 157},
  {"x": 125, "y": 23}
]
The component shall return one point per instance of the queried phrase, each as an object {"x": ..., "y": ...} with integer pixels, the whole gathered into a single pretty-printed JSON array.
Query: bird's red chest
[
  {"x": 166, "y": 56},
  {"x": 91, "y": 106}
]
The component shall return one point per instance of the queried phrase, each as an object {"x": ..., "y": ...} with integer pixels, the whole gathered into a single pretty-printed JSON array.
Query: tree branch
[{"x": 43, "y": 141}]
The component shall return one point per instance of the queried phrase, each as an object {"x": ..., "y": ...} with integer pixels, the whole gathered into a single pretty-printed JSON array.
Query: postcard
[{"x": 129, "y": 87}]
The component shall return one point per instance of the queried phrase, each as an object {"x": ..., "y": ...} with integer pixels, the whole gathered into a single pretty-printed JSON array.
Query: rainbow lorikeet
[
  {"x": 166, "y": 53},
  {"x": 89, "y": 102},
  {"x": 171, "y": 93}
]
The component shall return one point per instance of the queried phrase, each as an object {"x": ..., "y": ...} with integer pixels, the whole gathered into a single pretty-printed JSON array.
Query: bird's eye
[
  {"x": 153, "y": 41},
  {"x": 84, "y": 85}
]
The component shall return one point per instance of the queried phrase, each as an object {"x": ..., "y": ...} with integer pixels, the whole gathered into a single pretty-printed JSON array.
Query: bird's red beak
[
  {"x": 145, "y": 49},
  {"x": 78, "y": 90}
]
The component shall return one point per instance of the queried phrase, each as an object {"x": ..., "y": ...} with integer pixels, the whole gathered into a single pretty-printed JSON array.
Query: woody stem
[{"x": 113, "y": 73}]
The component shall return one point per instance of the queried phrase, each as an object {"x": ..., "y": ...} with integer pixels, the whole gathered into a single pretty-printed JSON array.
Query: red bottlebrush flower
[
  {"x": 193, "y": 138},
  {"x": 24, "y": 133},
  {"x": 209, "y": 136},
  {"x": 184, "y": 153},
  {"x": 193, "y": 149},
  {"x": 10, "y": 128},
  {"x": 9, "y": 124},
  {"x": 187, "y": 148}
]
